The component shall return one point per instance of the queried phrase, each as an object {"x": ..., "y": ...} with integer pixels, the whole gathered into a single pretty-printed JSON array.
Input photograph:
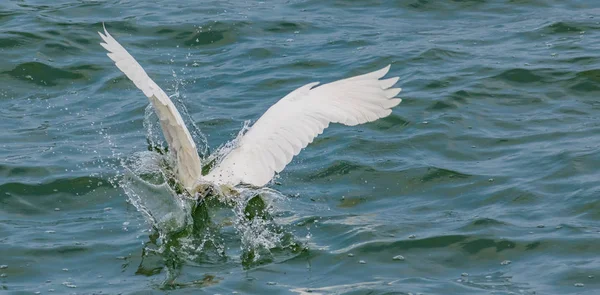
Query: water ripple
[{"x": 484, "y": 179}]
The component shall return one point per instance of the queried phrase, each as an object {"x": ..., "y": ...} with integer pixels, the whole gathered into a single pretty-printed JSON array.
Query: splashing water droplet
[
  {"x": 69, "y": 285},
  {"x": 184, "y": 228},
  {"x": 506, "y": 262}
]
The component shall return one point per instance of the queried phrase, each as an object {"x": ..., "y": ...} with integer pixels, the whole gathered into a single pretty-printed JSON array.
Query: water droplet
[
  {"x": 398, "y": 257},
  {"x": 362, "y": 262},
  {"x": 506, "y": 262},
  {"x": 69, "y": 285},
  {"x": 578, "y": 285}
]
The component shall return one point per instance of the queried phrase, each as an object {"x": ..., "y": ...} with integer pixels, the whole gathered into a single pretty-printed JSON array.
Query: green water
[{"x": 484, "y": 180}]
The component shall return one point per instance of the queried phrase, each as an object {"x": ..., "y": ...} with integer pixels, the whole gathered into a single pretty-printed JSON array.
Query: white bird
[{"x": 279, "y": 134}]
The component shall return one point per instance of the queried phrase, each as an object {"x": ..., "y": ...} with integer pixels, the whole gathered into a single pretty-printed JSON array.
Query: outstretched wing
[
  {"x": 178, "y": 138},
  {"x": 292, "y": 123}
]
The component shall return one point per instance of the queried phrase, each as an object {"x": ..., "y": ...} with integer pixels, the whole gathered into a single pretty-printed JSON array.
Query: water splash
[
  {"x": 242, "y": 227},
  {"x": 197, "y": 135},
  {"x": 146, "y": 186},
  {"x": 262, "y": 238},
  {"x": 222, "y": 151}
]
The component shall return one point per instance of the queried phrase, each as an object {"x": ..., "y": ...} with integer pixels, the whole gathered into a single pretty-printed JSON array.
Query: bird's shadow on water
[{"x": 247, "y": 226}]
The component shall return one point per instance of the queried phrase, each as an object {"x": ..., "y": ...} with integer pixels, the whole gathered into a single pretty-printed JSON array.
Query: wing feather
[
  {"x": 292, "y": 123},
  {"x": 181, "y": 144}
]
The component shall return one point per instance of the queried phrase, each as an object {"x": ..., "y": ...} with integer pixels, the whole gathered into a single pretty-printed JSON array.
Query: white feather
[
  {"x": 292, "y": 123},
  {"x": 279, "y": 134},
  {"x": 182, "y": 147}
]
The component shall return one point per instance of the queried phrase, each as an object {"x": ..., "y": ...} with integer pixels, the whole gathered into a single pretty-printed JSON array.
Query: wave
[{"x": 43, "y": 74}]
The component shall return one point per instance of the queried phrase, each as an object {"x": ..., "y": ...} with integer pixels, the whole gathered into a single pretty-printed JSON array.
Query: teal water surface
[{"x": 484, "y": 180}]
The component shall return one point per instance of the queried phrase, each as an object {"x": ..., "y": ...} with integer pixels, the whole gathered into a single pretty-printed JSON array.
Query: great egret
[{"x": 279, "y": 134}]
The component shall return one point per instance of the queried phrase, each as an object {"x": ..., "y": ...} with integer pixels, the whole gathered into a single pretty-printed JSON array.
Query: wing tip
[
  {"x": 106, "y": 36},
  {"x": 381, "y": 72},
  {"x": 388, "y": 82},
  {"x": 387, "y": 68},
  {"x": 392, "y": 92},
  {"x": 105, "y": 30}
]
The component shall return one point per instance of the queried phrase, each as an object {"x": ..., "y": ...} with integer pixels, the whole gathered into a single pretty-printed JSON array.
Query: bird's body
[{"x": 277, "y": 136}]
